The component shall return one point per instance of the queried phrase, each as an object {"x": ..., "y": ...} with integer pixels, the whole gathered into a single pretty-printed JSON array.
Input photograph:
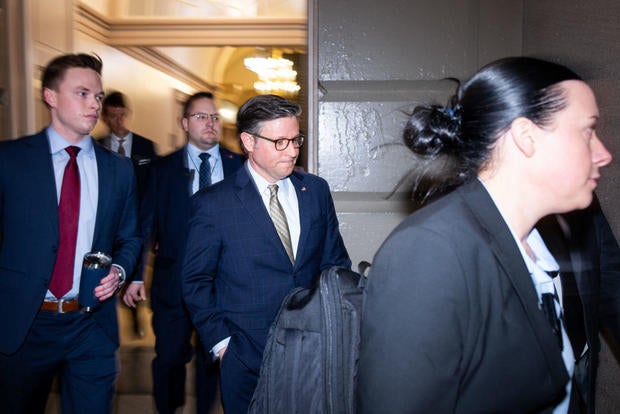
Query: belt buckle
[{"x": 60, "y": 309}]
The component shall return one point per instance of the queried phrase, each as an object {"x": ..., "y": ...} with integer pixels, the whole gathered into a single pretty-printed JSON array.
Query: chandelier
[{"x": 275, "y": 74}]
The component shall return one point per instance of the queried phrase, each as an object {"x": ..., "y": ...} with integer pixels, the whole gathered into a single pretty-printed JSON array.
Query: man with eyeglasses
[
  {"x": 163, "y": 218},
  {"x": 260, "y": 233}
]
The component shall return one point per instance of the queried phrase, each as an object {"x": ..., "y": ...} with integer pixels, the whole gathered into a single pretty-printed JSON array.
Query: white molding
[
  {"x": 178, "y": 31},
  {"x": 168, "y": 66}
]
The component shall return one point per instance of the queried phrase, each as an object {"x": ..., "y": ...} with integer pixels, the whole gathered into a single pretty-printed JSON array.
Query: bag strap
[{"x": 363, "y": 268}]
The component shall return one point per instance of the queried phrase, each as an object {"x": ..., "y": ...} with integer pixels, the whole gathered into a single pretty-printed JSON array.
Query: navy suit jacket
[
  {"x": 163, "y": 221},
  {"x": 236, "y": 272},
  {"x": 29, "y": 232},
  {"x": 588, "y": 249},
  {"x": 142, "y": 154},
  {"x": 451, "y": 322}
]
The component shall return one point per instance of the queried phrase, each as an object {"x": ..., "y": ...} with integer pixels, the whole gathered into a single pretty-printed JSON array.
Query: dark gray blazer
[{"x": 451, "y": 322}]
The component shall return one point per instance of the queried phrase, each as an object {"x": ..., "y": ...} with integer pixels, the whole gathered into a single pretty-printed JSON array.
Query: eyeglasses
[
  {"x": 282, "y": 143},
  {"x": 202, "y": 117}
]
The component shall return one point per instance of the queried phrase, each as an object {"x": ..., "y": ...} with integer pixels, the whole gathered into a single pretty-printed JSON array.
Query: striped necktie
[
  {"x": 279, "y": 220},
  {"x": 121, "y": 149}
]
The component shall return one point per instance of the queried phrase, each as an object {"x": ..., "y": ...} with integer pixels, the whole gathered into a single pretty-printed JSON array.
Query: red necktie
[{"x": 68, "y": 215}]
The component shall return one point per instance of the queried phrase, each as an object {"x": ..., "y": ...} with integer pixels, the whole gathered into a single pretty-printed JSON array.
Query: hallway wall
[{"x": 373, "y": 64}]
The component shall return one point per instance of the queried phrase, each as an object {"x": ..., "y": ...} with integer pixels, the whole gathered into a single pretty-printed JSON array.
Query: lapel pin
[{"x": 303, "y": 188}]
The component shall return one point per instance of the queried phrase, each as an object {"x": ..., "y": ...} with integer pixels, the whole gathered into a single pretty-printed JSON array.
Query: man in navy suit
[
  {"x": 164, "y": 215},
  {"x": 140, "y": 150},
  {"x": 252, "y": 238},
  {"x": 61, "y": 196}
]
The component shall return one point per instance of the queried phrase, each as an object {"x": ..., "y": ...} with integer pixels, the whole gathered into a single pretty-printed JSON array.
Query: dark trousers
[
  {"x": 70, "y": 345},
  {"x": 238, "y": 384},
  {"x": 173, "y": 350}
]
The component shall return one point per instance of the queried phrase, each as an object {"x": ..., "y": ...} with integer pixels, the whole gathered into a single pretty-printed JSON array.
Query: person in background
[
  {"x": 163, "y": 217},
  {"x": 460, "y": 314},
  {"x": 140, "y": 150},
  {"x": 252, "y": 238},
  {"x": 588, "y": 286},
  {"x": 121, "y": 140},
  {"x": 61, "y": 196}
]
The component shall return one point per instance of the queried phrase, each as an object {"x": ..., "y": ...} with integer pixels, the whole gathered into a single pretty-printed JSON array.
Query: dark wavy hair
[
  {"x": 54, "y": 72},
  {"x": 264, "y": 108},
  {"x": 454, "y": 142}
]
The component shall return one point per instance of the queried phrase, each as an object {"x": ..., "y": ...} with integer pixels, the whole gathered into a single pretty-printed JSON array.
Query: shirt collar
[
  {"x": 262, "y": 184},
  {"x": 59, "y": 143},
  {"x": 544, "y": 259},
  {"x": 125, "y": 138},
  {"x": 194, "y": 152}
]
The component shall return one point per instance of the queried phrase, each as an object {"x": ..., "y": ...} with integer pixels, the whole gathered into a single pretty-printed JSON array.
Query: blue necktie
[{"x": 204, "y": 176}]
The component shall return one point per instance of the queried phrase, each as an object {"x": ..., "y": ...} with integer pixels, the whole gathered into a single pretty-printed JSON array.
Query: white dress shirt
[{"x": 543, "y": 283}]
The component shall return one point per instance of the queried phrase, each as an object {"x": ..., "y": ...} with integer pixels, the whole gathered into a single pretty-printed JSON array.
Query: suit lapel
[
  {"x": 105, "y": 141},
  {"x": 180, "y": 174},
  {"x": 106, "y": 176},
  {"x": 252, "y": 202},
  {"x": 305, "y": 212},
  {"x": 136, "y": 145},
  {"x": 227, "y": 165},
  {"x": 41, "y": 170},
  {"x": 571, "y": 245},
  {"x": 508, "y": 255}
]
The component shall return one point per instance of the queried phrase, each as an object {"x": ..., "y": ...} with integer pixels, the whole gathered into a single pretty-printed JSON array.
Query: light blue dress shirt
[
  {"x": 89, "y": 194},
  {"x": 194, "y": 161}
]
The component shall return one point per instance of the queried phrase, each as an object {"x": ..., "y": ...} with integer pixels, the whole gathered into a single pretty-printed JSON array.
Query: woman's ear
[{"x": 523, "y": 134}]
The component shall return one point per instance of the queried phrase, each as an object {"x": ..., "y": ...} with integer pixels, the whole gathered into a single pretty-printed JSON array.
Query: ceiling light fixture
[{"x": 275, "y": 74}]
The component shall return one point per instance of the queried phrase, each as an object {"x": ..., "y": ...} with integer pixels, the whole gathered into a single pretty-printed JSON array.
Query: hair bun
[
  {"x": 433, "y": 130},
  {"x": 454, "y": 112}
]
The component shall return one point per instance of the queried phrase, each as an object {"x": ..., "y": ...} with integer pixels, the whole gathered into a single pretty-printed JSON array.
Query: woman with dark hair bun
[{"x": 458, "y": 316}]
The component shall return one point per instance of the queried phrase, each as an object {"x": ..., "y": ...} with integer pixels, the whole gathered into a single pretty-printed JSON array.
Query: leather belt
[{"x": 60, "y": 306}]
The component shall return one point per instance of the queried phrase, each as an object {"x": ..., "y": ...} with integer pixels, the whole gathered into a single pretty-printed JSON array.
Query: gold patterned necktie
[{"x": 279, "y": 220}]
